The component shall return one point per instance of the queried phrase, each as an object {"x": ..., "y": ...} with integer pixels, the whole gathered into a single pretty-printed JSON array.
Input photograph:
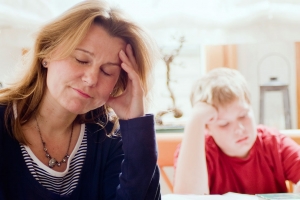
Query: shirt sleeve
[
  {"x": 139, "y": 178},
  {"x": 290, "y": 154}
]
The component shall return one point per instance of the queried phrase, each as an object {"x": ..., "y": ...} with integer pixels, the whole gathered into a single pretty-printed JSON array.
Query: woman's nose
[{"x": 90, "y": 76}]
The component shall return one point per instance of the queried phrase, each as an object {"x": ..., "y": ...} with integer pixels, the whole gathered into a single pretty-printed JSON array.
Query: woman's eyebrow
[
  {"x": 85, "y": 51},
  {"x": 92, "y": 54},
  {"x": 111, "y": 63}
]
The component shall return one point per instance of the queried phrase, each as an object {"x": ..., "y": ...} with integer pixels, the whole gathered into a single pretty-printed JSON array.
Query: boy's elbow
[
  {"x": 187, "y": 189},
  {"x": 297, "y": 187},
  {"x": 180, "y": 189}
]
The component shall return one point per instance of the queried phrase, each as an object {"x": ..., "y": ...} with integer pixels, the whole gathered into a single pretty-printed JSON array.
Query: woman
[{"x": 60, "y": 138}]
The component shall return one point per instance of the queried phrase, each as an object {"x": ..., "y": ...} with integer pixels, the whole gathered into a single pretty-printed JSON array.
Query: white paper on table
[
  {"x": 238, "y": 196},
  {"x": 227, "y": 196},
  {"x": 194, "y": 197}
]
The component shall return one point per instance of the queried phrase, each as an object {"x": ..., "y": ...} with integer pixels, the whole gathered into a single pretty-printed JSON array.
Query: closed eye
[
  {"x": 243, "y": 116},
  {"x": 105, "y": 73},
  {"x": 82, "y": 62},
  {"x": 223, "y": 125}
]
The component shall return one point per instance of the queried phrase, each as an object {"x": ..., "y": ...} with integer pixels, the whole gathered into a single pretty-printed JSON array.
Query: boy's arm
[
  {"x": 191, "y": 176},
  {"x": 290, "y": 154}
]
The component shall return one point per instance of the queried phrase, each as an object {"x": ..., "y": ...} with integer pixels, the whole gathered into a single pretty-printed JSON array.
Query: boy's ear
[{"x": 206, "y": 129}]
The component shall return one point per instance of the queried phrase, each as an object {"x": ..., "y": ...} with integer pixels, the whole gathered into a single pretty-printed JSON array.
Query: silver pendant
[{"x": 52, "y": 162}]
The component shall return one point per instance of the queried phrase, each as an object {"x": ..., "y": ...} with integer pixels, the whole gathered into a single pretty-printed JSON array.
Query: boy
[{"x": 224, "y": 151}]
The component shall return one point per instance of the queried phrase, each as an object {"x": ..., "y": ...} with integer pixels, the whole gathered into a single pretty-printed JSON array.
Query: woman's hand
[{"x": 130, "y": 104}]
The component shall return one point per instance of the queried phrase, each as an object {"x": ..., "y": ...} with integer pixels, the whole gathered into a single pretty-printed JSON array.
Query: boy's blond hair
[{"x": 219, "y": 87}]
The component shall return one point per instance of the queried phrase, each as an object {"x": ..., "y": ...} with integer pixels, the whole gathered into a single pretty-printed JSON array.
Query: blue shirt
[{"x": 114, "y": 168}]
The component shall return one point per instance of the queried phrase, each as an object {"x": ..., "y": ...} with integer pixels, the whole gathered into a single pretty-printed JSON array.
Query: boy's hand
[{"x": 206, "y": 112}]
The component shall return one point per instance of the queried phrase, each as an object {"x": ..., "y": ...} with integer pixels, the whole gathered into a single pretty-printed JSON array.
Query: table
[{"x": 227, "y": 196}]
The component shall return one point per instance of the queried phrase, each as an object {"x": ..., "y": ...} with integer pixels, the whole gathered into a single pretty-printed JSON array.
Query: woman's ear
[{"x": 44, "y": 63}]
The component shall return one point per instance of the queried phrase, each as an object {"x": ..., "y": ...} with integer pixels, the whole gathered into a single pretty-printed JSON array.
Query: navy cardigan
[{"x": 114, "y": 168}]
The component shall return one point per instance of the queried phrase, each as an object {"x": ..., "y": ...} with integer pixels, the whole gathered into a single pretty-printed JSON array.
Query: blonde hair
[
  {"x": 219, "y": 87},
  {"x": 65, "y": 33}
]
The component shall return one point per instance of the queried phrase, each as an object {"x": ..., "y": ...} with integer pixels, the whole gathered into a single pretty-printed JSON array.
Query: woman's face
[{"x": 84, "y": 80}]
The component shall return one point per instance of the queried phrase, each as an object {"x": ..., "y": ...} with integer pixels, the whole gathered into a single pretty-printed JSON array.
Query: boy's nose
[{"x": 239, "y": 128}]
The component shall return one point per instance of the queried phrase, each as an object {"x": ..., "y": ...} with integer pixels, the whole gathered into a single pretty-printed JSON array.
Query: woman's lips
[{"x": 82, "y": 93}]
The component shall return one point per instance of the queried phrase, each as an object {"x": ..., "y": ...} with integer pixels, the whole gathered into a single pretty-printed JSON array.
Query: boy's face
[{"x": 234, "y": 131}]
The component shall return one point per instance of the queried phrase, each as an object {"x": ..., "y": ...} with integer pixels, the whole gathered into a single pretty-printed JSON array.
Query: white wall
[
  {"x": 12, "y": 41},
  {"x": 257, "y": 62},
  {"x": 185, "y": 70}
]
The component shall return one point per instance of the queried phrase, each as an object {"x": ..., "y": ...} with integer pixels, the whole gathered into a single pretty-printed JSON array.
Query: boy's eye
[
  {"x": 243, "y": 116},
  {"x": 223, "y": 125}
]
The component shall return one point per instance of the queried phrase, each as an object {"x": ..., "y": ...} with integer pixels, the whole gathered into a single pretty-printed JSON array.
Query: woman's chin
[{"x": 77, "y": 110}]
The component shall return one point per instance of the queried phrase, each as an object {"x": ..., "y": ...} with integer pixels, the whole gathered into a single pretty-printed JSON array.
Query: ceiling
[{"x": 201, "y": 21}]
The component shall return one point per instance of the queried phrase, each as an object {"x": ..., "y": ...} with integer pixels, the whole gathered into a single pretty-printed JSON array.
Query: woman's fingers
[
  {"x": 129, "y": 65},
  {"x": 128, "y": 57},
  {"x": 131, "y": 57},
  {"x": 126, "y": 64},
  {"x": 130, "y": 103}
]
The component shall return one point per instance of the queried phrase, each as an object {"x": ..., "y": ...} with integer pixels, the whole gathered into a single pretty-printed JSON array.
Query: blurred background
[
  {"x": 260, "y": 38},
  {"x": 257, "y": 37}
]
